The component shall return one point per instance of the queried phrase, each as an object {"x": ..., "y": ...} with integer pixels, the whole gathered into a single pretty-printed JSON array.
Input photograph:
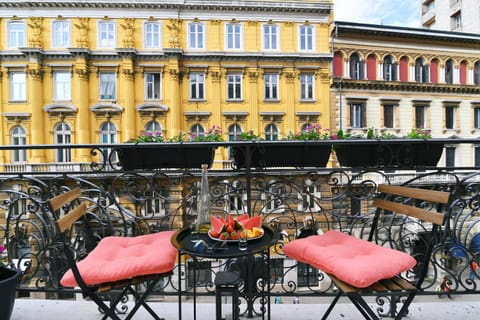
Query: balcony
[{"x": 294, "y": 201}]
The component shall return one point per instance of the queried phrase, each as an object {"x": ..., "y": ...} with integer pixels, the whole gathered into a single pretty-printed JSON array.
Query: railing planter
[
  {"x": 401, "y": 154},
  {"x": 9, "y": 279},
  {"x": 266, "y": 154},
  {"x": 165, "y": 155}
]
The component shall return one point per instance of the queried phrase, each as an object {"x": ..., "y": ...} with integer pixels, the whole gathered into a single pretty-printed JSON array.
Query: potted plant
[
  {"x": 295, "y": 150},
  {"x": 152, "y": 150},
  {"x": 386, "y": 150},
  {"x": 9, "y": 279}
]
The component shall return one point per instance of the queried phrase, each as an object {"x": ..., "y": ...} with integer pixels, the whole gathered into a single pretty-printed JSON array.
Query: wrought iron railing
[{"x": 295, "y": 202}]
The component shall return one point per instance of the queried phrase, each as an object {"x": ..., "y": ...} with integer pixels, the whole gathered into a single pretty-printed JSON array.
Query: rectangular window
[
  {"x": 420, "y": 117},
  {"x": 196, "y": 36},
  {"x": 234, "y": 86},
  {"x": 16, "y": 34},
  {"x": 60, "y": 34},
  {"x": 152, "y": 86},
  {"x": 450, "y": 158},
  {"x": 233, "y": 36},
  {"x": 450, "y": 117},
  {"x": 388, "y": 116},
  {"x": 310, "y": 198},
  {"x": 108, "y": 84},
  {"x": 18, "y": 86},
  {"x": 307, "y": 39},
  {"x": 276, "y": 271},
  {"x": 271, "y": 86},
  {"x": 106, "y": 35},
  {"x": 306, "y": 87},
  {"x": 477, "y": 156},
  {"x": 476, "y": 117},
  {"x": 197, "y": 86},
  {"x": 203, "y": 273},
  {"x": 307, "y": 275},
  {"x": 62, "y": 85},
  {"x": 357, "y": 115},
  {"x": 151, "y": 35},
  {"x": 270, "y": 37}
]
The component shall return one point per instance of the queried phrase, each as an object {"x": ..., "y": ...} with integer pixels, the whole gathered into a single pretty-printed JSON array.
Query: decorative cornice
[
  {"x": 290, "y": 7},
  {"x": 368, "y": 85}
]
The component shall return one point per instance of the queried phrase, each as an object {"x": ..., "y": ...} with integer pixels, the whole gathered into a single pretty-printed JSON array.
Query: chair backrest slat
[
  {"x": 65, "y": 222},
  {"x": 431, "y": 196},
  {"x": 64, "y": 198},
  {"x": 416, "y": 193},
  {"x": 419, "y": 213}
]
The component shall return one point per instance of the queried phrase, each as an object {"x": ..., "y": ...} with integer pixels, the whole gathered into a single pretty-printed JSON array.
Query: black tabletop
[{"x": 188, "y": 243}]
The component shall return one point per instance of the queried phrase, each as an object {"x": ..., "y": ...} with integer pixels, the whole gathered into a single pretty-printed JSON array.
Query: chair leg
[
  {"x": 362, "y": 306},
  {"x": 404, "y": 310},
  {"x": 332, "y": 305}
]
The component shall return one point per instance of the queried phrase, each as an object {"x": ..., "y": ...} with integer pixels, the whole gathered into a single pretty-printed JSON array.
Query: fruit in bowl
[{"x": 231, "y": 228}]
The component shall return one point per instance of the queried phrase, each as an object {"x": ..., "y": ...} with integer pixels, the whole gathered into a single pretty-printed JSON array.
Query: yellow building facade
[{"x": 102, "y": 72}]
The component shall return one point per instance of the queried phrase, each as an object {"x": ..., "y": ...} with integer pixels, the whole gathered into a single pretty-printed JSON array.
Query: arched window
[
  {"x": 389, "y": 69},
  {"x": 197, "y": 130},
  {"x": 18, "y": 137},
  {"x": 449, "y": 71},
  {"x": 476, "y": 73},
  {"x": 153, "y": 127},
  {"x": 421, "y": 71},
  {"x": 271, "y": 132},
  {"x": 63, "y": 135},
  {"x": 233, "y": 132},
  {"x": 356, "y": 67},
  {"x": 108, "y": 135}
]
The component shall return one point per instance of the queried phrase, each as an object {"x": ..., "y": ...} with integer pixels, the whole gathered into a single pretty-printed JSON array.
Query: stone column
[
  {"x": 35, "y": 99},
  {"x": 81, "y": 95},
  {"x": 128, "y": 96}
]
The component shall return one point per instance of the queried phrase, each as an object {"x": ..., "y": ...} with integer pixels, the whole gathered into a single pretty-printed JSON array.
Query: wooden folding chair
[
  {"x": 361, "y": 268},
  {"x": 117, "y": 265}
]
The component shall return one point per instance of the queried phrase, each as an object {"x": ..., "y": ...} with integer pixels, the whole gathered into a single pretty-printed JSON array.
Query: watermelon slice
[
  {"x": 242, "y": 217},
  {"x": 253, "y": 222},
  {"x": 217, "y": 224}
]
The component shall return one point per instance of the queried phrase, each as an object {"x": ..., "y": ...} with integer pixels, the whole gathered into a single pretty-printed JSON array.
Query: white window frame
[
  {"x": 18, "y": 86},
  {"x": 63, "y": 135},
  {"x": 271, "y": 37},
  {"x": 196, "y": 38},
  {"x": 152, "y": 39},
  {"x": 234, "y": 82},
  {"x": 272, "y": 200},
  {"x": 16, "y": 38},
  {"x": 61, "y": 32},
  {"x": 153, "y": 85},
  {"x": 307, "y": 87},
  {"x": 107, "y": 85},
  {"x": 18, "y": 137},
  {"x": 233, "y": 36},
  {"x": 306, "y": 38},
  {"x": 234, "y": 199},
  {"x": 62, "y": 86},
  {"x": 308, "y": 195},
  {"x": 108, "y": 135},
  {"x": 197, "y": 86},
  {"x": 106, "y": 35},
  {"x": 271, "y": 86},
  {"x": 356, "y": 117},
  {"x": 271, "y": 132}
]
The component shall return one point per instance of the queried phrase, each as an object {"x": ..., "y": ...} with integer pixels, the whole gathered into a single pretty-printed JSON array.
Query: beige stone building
[{"x": 395, "y": 79}]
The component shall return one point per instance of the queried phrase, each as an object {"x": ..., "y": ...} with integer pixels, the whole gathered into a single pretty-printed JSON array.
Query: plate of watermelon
[{"x": 229, "y": 229}]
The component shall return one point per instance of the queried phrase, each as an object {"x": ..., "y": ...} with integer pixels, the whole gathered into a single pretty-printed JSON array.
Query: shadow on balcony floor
[{"x": 425, "y": 308}]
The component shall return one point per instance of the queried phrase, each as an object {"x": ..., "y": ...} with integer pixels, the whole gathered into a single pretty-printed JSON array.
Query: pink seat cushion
[
  {"x": 355, "y": 261},
  {"x": 117, "y": 258}
]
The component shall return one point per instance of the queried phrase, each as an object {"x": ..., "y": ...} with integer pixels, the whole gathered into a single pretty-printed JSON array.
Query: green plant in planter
[
  {"x": 248, "y": 136},
  {"x": 311, "y": 132},
  {"x": 419, "y": 133},
  {"x": 214, "y": 134}
]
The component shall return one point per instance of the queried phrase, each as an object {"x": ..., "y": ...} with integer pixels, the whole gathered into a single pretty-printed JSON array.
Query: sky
[{"x": 402, "y": 13}]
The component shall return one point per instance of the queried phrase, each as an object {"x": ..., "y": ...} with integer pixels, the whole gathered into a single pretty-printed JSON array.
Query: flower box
[
  {"x": 9, "y": 279},
  {"x": 401, "y": 154},
  {"x": 168, "y": 155},
  {"x": 282, "y": 154}
]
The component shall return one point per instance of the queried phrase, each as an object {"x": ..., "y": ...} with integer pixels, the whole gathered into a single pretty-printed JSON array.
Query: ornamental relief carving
[
  {"x": 82, "y": 73},
  {"x": 128, "y": 26},
  {"x": 82, "y": 27},
  {"x": 35, "y": 72},
  {"x": 35, "y": 24}
]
